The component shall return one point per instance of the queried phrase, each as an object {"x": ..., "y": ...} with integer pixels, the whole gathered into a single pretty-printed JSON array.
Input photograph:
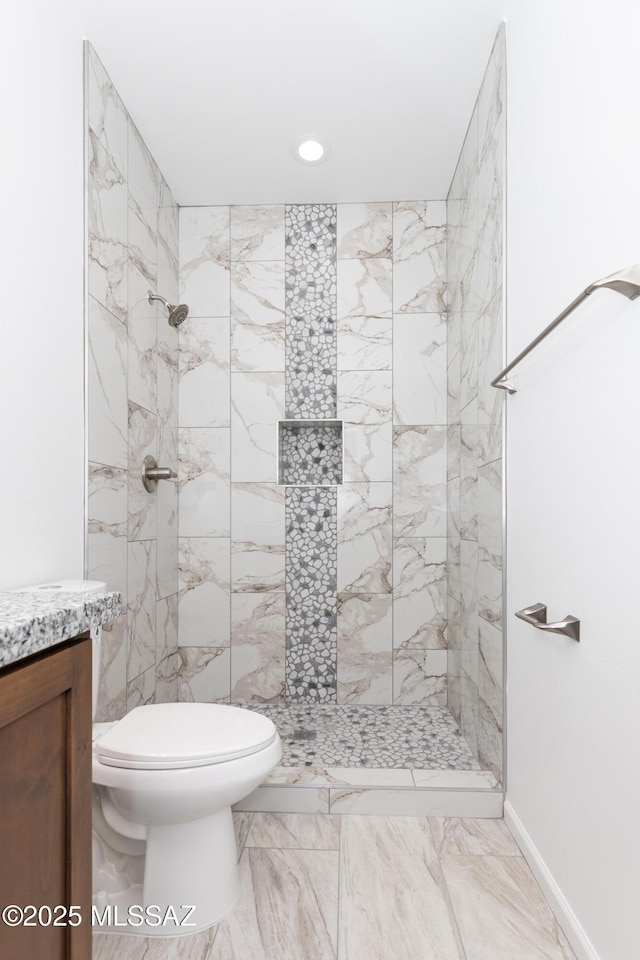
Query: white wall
[
  {"x": 573, "y": 197},
  {"x": 41, "y": 355}
]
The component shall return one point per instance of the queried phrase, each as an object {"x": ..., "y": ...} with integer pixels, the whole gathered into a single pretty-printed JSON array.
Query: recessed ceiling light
[{"x": 310, "y": 149}]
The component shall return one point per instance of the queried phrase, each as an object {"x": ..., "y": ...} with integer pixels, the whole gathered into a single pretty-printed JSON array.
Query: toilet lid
[{"x": 166, "y": 736}]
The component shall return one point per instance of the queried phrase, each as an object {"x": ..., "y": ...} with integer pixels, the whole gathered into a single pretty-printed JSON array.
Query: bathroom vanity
[{"x": 45, "y": 779}]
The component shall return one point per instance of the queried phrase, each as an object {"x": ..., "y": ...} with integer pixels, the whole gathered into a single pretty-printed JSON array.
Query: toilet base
[{"x": 187, "y": 865}]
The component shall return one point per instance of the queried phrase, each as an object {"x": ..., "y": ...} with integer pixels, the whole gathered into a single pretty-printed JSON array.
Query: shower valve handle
[{"x": 151, "y": 473}]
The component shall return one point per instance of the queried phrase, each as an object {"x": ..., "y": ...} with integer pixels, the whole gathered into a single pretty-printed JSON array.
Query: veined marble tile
[
  {"x": 490, "y": 741},
  {"x": 365, "y": 655},
  {"x": 490, "y": 400},
  {"x": 257, "y": 568},
  {"x": 501, "y": 911},
  {"x": 453, "y": 379},
  {"x": 469, "y": 480},
  {"x": 274, "y": 799},
  {"x": 205, "y": 383},
  {"x": 112, "y": 687},
  {"x": 454, "y": 686},
  {"x": 364, "y": 230},
  {"x": 453, "y": 451},
  {"x": 490, "y": 674},
  {"x": 107, "y": 115},
  {"x": 417, "y": 803},
  {"x": 203, "y": 478},
  {"x": 109, "y": 946},
  {"x": 167, "y": 415},
  {"x": 368, "y": 452},
  {"x": 453, "y": 568},
  {"x": 258, "y": 537},
  {"x": 205, "y": 675},
  {"x": 143, "y": 354},
  {"x": 490, "y": 697},
  {"x": 204, "y": 260},
  {"x": 143, "y": 441},
  {"x": 420, "y": 676},
  {"x": 420, "y": 593},
  {"x": 419, "y": 257},
  {"x": 107, "y": 376},
  {"x": 341, "y": 776},
  {"x": 457, "y": 779},
  {"x": 364, "y": 289},
  {"x": 469, "y": 611},
  {"x": 167, "y": 511},
  {"x": 167, "y": 657},
  {"x": 300, "y": 922},
  {"x": 167, "y": 217},
  {"x": 142, "y": 173},
  {"x": 257, "y": 403},
  {"x": 364, "y": 343},
  {"x": 295, "y": 831},
  {"x": 257, "y": 316},
  {"x": 454, "y": 628},
  {"x": 488, "y": 275},
  {"x": 108, "y": 250},
  {"x": 469, "y": 837},
  {"x": 257, "y": 513},
  {"x": 257, "y": 647},
  {"x": 141, "y": 616},
  {"x": 365, "y": 396},
  {"x": 107, "y": 526},
  {"x": 420, "y": 368},
  {"x": 364, "y": 537},
  {"x": 453, "y": 508},
  {"x": 468, "y": 357},
  {"x": 204, "y": 591},
  {"x": 257, "y": 232},
  {"x": 141, "y": 690},
  {"x": 420, "y": 472},
  {"x": 143, "y": 240},
  {"x": 166, "y": 335},
  {"x": 469, "y": 711},
  {"x": 491, "y": 97},
  {"x": 374, "y": 916},
  {"x": 490, "y": 542}
]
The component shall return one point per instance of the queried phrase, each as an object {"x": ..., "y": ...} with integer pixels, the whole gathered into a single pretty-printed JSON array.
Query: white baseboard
[{"x": 582, "y": 946}]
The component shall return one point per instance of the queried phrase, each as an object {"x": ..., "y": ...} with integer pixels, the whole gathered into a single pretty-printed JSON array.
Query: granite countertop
[{"x": 32, "y": 621}]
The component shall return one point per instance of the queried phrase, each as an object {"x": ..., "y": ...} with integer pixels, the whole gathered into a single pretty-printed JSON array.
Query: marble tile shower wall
[
  {"x": 237, "y": 372},
  {"x": 133, "y": 402},
  {"x": 474, "y": 469}
]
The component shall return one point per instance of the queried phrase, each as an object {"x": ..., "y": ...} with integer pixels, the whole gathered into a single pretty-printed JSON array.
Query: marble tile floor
[
  {"x": 392, "y": 737},
  {"x": 323, "y": 887}
]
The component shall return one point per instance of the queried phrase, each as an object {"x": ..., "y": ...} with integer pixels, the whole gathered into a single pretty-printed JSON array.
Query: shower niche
[{"x": 310, "y": 453}]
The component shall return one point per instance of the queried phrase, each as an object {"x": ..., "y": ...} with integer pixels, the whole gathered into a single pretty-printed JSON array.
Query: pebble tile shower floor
[{"x": 393, "y": 737}]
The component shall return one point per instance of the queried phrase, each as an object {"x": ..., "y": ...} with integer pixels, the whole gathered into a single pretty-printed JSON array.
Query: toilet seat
[{"x": 167, "y": 736}]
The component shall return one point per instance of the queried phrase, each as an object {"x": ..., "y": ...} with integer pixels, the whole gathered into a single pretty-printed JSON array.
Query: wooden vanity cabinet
[{"x": 45, "y": 798}]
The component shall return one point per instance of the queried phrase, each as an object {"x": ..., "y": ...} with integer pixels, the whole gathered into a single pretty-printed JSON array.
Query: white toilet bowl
[{"x": 165, "y": 777}]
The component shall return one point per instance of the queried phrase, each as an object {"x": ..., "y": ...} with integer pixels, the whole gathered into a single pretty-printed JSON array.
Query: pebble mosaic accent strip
[
  {"x": 32, "y": 621},
  {"x": 310, "y": 453},
  {"x": 422, "y": 738},
  {"x": 310, "y": 311},
  {"x": 311, "y": 594}
]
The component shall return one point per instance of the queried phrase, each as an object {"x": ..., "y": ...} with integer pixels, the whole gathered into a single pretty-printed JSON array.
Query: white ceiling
[{"x": 220, "y": 90}]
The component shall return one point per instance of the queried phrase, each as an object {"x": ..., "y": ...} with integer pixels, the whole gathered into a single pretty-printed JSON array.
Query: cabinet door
[{"x": 45, "y": 799}]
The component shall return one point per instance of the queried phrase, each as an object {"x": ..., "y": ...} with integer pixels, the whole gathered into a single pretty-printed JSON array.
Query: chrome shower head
[{"x": 177, "y": 313}]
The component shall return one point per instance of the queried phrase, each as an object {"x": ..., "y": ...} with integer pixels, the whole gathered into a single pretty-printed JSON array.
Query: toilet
[{"x": 165, "y": 778}]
